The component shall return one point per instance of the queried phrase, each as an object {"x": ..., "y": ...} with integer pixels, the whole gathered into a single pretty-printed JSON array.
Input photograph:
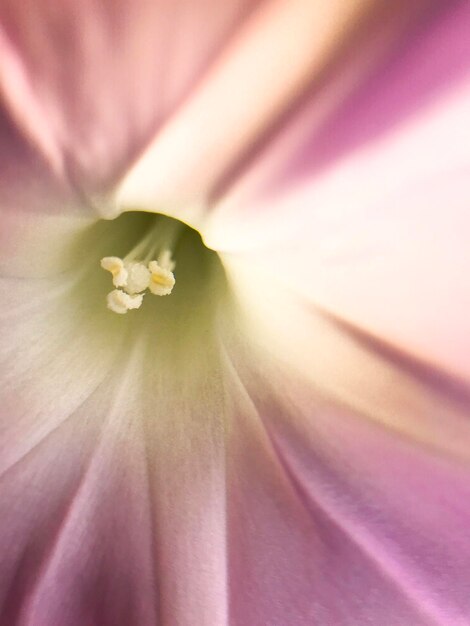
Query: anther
[
  {"x": 115, "y": 265},
  {"x": 162, "y": 280},
  {"x": 120, "y": 302}
]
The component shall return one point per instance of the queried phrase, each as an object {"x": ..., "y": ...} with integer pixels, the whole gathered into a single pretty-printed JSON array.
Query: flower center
[
  {"x": 179, "y": 334},
  {"x": 147, "y": 268},
  {"x": 146, "y": 255}
]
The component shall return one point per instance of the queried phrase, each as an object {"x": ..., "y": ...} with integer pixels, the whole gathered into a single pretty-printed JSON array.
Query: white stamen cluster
[{"x": 133, "y": 278}]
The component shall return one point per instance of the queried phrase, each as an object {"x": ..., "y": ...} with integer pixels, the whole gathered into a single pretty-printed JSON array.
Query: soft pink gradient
[
  {"x": 380, "y": 235},
  {"x": 88, "y": 82},
  {"x": 318, "y": 475},
  {"x": 350, "y": 521}
]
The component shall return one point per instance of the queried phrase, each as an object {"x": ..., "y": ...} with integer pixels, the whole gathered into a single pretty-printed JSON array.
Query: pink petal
[
  {"x": 289, "y": 470},
  {"x": 283, "y": 49},
  {"x": 378, "y": 237},
  {"x": 88, "y": 82},
  {"x": 348, "y": 479},
  {"x": 147, "y": 493},
  {"x": 333, "y": 491},
  {"x": 56, "y": 479},
  {"x": 27, "y": 181},
  {"x": 108, "y": 530},
  {"x": 76, "y": 525},
  {"x": 112, "y": 466},
  {"x": 428, "y": 62}
]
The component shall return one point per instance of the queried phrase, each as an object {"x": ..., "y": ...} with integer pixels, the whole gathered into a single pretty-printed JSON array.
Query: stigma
[{"x": 134, "y": 278}]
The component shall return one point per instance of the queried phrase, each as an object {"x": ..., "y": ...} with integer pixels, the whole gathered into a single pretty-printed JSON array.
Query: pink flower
[{"x": 282, "y": 440}]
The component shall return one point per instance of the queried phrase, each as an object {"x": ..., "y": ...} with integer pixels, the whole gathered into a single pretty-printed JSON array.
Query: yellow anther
[{"x": 162, "y": 280}]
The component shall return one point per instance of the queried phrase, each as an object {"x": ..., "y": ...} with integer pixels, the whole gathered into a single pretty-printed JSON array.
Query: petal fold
[
  {"x": 377, "y": 235},
  {"x": 282, "y": 49},
  {"x": 347, "y": 483},
  {"x": 88, "y": 83}
]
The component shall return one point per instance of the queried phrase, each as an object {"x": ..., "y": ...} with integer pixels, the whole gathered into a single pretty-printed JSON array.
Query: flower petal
[
  {"x": 158, "y": 483},
  {"x": 88, "y": 82},
  {"x": 28, "y": 181},
  {"x": 83, "y": 493},
  {"x": 378, "y": 237},
  {"x": 405, "y": 103},
  {"x": 282, "y": 49},
  {"x": 39, "y": 245},
  {"x": 54, "y": 362},
  {"x": 112, "y": 465},
  {"x": 348, "y": 477},
  {"x": 341, "y": 521}
]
